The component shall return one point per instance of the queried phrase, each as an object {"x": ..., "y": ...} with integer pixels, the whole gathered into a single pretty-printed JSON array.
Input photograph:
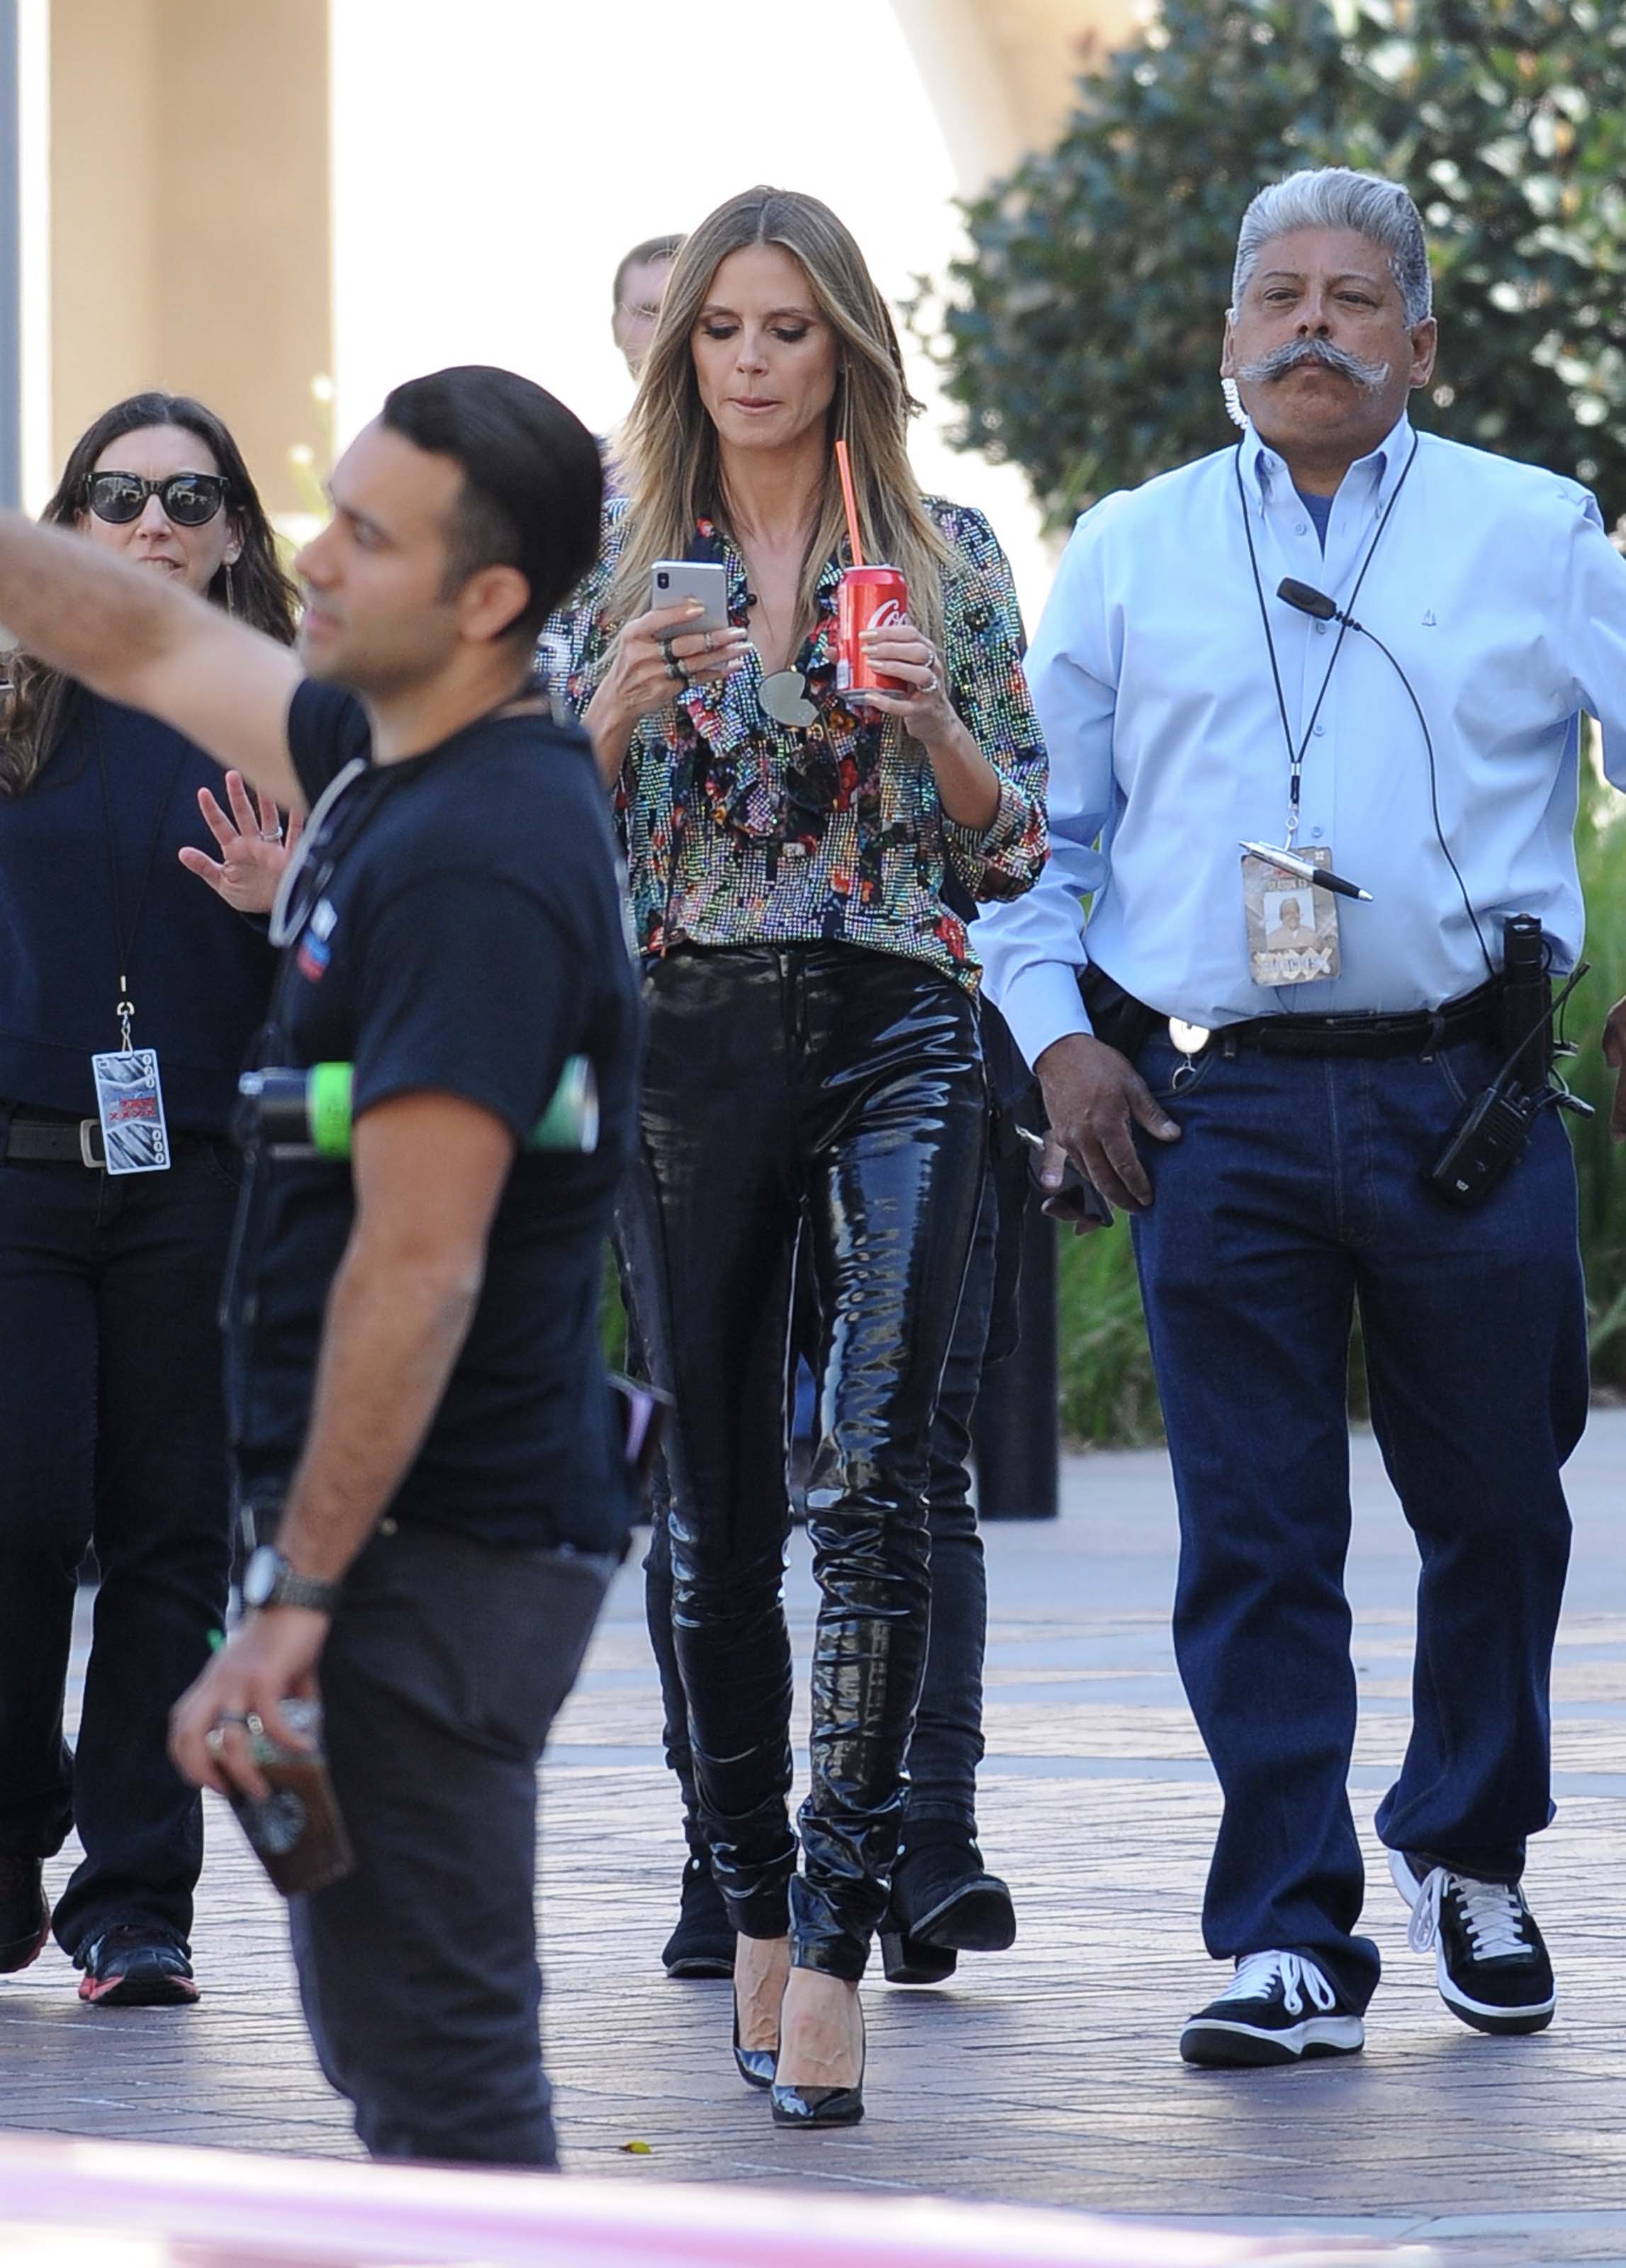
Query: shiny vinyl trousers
[{"x": 846, "y": 1086}]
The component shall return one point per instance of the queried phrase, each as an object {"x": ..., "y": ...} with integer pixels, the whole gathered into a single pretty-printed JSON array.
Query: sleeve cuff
[{"x": 1041, "y": 1004}]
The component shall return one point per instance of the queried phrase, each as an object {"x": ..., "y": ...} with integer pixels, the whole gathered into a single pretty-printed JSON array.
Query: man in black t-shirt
[{"x": 422, "y": 1411}]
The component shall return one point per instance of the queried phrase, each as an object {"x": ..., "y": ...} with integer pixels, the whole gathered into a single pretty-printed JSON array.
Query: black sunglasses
[{"x": 190, "y": 499}]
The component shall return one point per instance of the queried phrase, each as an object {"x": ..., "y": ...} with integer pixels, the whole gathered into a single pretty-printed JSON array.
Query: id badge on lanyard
[
  {"x": 129, "y": 1102},
  {"x": 129, "y": 1095}
]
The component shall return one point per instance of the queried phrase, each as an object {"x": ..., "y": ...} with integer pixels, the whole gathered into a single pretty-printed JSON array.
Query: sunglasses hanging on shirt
[{"x": 189, "y": 499}]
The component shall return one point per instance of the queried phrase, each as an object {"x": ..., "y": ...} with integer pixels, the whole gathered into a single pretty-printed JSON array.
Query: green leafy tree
[{"x": 1081, "y": 335}]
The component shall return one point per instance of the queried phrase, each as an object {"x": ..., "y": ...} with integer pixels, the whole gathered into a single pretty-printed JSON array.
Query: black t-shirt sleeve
[
  {"x": 468, "y": 989},
  {"x": 326, "y": 727}
]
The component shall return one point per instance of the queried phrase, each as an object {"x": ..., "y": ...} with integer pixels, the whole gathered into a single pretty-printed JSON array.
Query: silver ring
[
  {"x": 230, "y": 1717},
  {"x": 676, "y": 670},
  {"x": 665, "y": 643},
  {"x": 931, "y": 685},
  {"x": 270, "y": 834},
  {"x": 710, "y": 642}
]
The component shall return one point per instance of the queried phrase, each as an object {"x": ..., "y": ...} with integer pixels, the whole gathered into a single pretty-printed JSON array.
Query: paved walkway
[{"x": 1047, "y": 2075}]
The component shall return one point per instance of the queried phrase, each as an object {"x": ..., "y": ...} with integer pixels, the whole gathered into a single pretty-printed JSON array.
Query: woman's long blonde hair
[{"x": 669, "y": 448}]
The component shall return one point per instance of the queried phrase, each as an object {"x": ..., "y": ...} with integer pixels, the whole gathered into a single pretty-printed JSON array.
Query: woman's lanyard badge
[{"x": 129, "y": 1099}]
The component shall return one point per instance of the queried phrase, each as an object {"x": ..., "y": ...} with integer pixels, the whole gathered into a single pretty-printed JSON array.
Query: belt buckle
[{"x": 89, "y": 1129}]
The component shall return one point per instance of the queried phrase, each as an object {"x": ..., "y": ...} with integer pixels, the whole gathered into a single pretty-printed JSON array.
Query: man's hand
[
  {"x": 270, "y": 1658},
  {"x": 253, "y": 850},
  {"x": 1615, "y": 1056},
  {"x": 1094, "y": 1097}
]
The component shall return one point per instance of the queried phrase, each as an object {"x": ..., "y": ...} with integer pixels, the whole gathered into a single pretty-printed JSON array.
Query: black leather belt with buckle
[{"x": 56, "y": 1142}]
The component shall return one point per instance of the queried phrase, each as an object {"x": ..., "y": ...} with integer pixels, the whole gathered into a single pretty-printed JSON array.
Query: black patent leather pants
[{"x": 846, "y": 1085}]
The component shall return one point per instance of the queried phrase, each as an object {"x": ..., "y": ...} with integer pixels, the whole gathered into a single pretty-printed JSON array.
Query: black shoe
[
  {"x": 755, "y": 2066},
  {"x": 133, "y": 1965},
  {"x": 943, "y": 1896},
  {"x": 702, "y": 1943},
  {"x": 906, "y": 1960},
  {"x": 1490, "y": 1960},
  {"x": 821, "y": 2106},
  {"x": 24, "y": 1912},
  {"x": 1277, "y": 2009}
]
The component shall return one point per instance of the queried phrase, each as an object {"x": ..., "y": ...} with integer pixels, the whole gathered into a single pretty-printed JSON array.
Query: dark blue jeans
[
  {"x": 1295, "y": 1191},
  {"x": 111, "y": 1429}
]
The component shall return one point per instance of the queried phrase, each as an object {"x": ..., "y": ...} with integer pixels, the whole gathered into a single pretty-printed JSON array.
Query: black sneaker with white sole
[
  {"x": 1490, "y": 1960},
  {"x": 1278, "y": 2009}
]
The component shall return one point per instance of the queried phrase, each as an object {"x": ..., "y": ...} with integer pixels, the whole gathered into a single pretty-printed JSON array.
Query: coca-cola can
[{"x": 870, "y": 598}]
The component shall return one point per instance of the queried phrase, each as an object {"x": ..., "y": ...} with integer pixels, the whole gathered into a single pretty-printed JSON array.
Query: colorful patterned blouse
[{"x": 742, "y": 831}]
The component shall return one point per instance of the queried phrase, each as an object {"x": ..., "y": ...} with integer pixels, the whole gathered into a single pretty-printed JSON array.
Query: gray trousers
[{"x": 446, "y": 1665}]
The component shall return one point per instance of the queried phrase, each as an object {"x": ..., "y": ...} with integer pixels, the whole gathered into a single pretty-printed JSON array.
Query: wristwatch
[{"x": 269, "y": 1582}]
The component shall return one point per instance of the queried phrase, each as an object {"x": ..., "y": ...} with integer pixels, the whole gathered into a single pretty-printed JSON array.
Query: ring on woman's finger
[
  {"x": 710, "y": 642},
  {"x": 270, "y": 834},
  {"x": 676, "y": 670},
  {"x": 664, "y": 643}
]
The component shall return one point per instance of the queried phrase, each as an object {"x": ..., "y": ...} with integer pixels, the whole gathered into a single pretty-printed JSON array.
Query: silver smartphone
[{"x": 673, "y": 580}]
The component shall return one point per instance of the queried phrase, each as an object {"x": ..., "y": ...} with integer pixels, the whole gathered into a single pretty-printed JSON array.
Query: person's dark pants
[
  {"x": 446, "y": 1665},
  {"x": 1295, "y": 1190},
  {"x": 112, "y": 1428},
  {"x": 946, "y": 1745},
  {"x": 845, "y": 1088}
]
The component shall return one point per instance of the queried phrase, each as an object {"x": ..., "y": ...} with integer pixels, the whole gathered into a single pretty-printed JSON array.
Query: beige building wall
[
  {"x": 1002, "y": 73},
  {"x": 190, "y": 217}
]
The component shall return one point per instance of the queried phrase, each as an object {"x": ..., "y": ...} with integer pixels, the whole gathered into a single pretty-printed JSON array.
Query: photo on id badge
[{"x": 1292, "y": 927}]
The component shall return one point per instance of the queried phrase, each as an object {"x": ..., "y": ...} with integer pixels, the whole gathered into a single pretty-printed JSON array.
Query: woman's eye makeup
[{"x": 790, "y": 338}]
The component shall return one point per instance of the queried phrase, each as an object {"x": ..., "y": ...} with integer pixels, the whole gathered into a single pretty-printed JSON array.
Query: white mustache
[{"x": 1296, "y": 352}]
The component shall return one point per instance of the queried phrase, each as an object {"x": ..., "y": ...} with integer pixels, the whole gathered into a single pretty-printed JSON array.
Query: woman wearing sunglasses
[
  {"x": 115, "y": 1220},
  {"x": 813, "y": 1048}
]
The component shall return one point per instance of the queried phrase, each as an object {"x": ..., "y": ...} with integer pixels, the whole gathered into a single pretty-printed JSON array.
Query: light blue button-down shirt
[{"x": 1498, "y": 593}]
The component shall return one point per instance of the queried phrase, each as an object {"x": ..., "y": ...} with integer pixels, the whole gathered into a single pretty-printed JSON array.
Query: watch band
[
  {"x": 291, "y": 1590},
  {"x": 269, "y": 1582}
]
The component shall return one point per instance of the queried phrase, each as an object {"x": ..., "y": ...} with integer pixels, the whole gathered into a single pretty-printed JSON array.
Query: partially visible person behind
[
  {"x": 421, "y": 1413},
  {"x": 640, "y": 281},
  {"x": 112, "y": 1426}
]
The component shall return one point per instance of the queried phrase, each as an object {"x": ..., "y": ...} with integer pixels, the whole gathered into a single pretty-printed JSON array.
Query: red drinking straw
[{"x": 851, "y": 501}]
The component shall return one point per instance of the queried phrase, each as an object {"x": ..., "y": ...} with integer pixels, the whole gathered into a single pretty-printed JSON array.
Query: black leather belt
[
  {"x": 55, "y": 1142},
  {"x": 1127, "y": 1024},
  {"x": 53, "y": 1138},
  {"x": 1474, "y": 1016}
]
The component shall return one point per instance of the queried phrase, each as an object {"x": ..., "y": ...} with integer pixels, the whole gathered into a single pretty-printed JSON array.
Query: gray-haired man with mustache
[{"x": 1267, "y": 1117}]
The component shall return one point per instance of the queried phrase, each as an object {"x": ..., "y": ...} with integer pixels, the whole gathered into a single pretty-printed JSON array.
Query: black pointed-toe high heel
[
  {"x": 822, "y": 2106},
  {"x": 755, "y": 2066}
]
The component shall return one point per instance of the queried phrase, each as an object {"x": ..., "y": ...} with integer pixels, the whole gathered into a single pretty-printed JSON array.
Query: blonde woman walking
[{"x": 813, "y": 1048}]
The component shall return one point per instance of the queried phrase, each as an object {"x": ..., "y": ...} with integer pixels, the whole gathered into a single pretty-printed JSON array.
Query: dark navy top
[
  {"x": 199, "y": 972},
  {"x": 1320, "y": 511},
  {"x": 468, "y": 937}
]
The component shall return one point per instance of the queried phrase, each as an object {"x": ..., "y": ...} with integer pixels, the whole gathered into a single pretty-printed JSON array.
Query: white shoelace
[
  {"x": 1492, "y": 1913},
  {"x": 1259, "y": 1971}
]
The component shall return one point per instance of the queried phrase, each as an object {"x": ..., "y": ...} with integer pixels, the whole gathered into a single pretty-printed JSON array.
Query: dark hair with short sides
[
  {"x": 663, "y": 248},
  {"x": 256, "y": 588},
  {"x": 533, "y": 483}
]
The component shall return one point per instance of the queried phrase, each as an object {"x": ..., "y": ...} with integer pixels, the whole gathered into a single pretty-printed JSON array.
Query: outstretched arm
[{"x": 130, "y": 634}]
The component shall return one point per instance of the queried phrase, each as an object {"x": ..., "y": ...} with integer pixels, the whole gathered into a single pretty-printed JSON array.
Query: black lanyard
[
  {"x": 1295, "y": 756},
  {"x": 124, "y": 934}
]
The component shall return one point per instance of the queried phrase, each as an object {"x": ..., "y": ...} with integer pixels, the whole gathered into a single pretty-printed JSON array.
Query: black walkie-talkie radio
[{"x": 1493, "y": 1131}]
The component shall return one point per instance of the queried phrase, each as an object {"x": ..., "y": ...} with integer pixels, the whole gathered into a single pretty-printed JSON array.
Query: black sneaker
[
  {"x": 1278, "y": 2009},
  {"x": 702, "y": 1943},
  {"x": 133, "y": 1965},
  {"x": 1490, "y": 1960},
  {"x": 24, "y": 1912}
]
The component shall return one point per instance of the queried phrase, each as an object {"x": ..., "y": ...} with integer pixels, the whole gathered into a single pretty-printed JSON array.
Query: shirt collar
[{"x": 1267, "y": 473}]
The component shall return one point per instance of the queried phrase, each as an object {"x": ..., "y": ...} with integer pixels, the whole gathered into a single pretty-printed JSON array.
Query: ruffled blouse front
[{"x": 742, "y": 831}]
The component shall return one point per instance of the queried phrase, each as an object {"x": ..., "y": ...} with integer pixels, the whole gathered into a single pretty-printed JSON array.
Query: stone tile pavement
[{"x": 1047, "y": 2075}]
